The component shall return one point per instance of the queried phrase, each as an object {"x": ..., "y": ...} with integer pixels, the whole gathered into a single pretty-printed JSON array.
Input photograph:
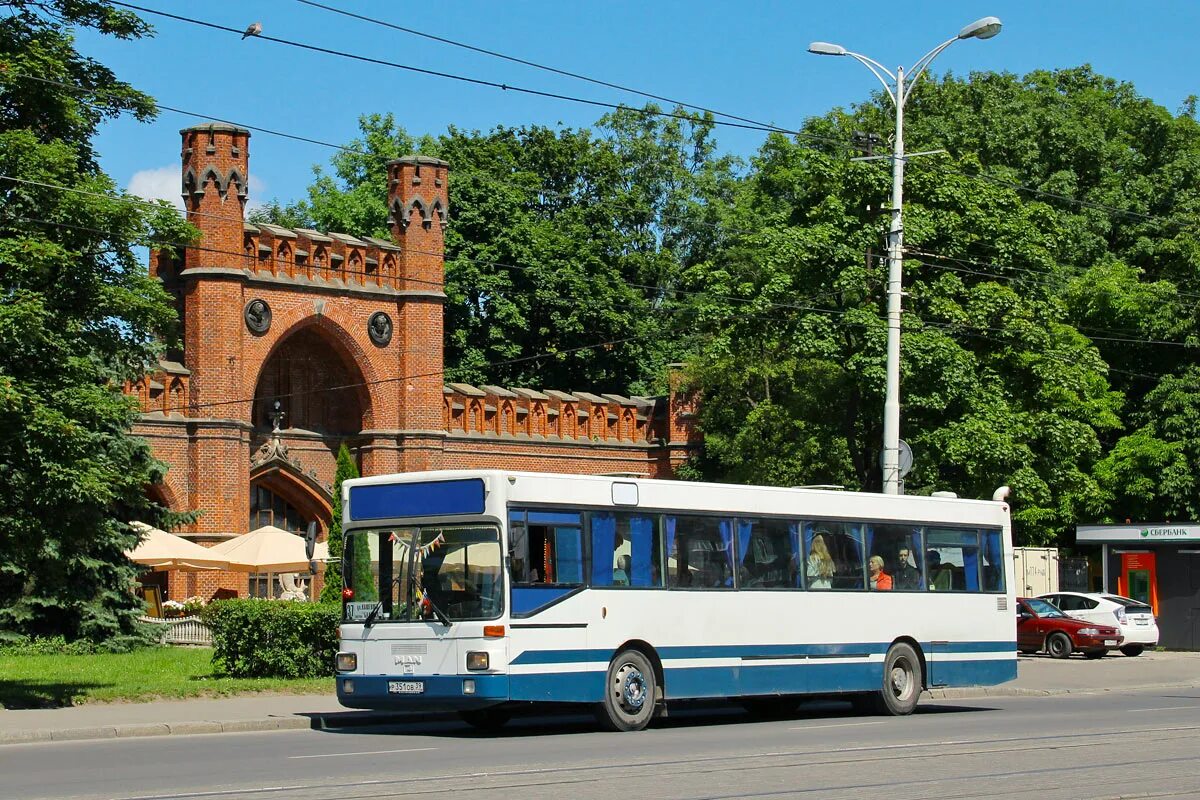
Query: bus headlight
[
  {"x": 347, "y": 662},
  {"x": 477, "y": 660}
]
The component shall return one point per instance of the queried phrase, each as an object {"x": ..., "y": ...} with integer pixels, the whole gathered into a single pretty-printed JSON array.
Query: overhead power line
[
  {"x": 149, "y": 242},
  {"x": 457, "y": 171},
  {"x": 502, "y": 265},
  {"x": 535, "y": 65},
  {"x": 775, "y": 305},
  {"x": 452, "y": 76}
]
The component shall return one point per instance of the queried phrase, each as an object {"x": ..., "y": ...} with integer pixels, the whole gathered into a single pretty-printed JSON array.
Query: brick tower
[
  {"x": 215, "y": 167},
  {"x": 417, "y": 204}
]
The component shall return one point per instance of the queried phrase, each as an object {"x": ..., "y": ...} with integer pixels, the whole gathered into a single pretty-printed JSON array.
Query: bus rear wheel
[
  {"x": 901, "y": 683},
  {"x": 629, "y": 693}
]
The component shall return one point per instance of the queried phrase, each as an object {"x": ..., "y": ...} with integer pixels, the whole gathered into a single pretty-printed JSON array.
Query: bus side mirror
[{"x": 310, "y": 541}]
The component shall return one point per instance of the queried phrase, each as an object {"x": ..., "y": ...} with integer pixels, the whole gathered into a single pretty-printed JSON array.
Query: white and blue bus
[{"x": 475, "y": 591}]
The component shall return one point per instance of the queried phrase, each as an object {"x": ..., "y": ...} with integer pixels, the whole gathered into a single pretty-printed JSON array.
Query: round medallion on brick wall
[
  {"x": 379, "y": 328},
  {"x": 257, "y": 315}
]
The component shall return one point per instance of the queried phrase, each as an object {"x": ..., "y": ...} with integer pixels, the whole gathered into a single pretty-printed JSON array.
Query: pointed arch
[{"x": 320, "y": 376}]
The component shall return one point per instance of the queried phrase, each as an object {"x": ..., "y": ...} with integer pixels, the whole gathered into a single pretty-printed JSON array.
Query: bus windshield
[{"x": 413, "y": 574}]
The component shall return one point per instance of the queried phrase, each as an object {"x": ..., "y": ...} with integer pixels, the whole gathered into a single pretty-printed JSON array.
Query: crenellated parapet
[
  {"x": 335, "y": 261},
  {"x": 162, "y": 391},
  {"x": 493, "y": 411}
]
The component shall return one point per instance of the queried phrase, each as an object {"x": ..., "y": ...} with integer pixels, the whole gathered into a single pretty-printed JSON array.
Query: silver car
[{"x": 1134, "y": 618}]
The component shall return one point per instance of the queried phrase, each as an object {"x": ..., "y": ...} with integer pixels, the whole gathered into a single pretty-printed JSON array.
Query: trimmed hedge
[{"x": 273, "y": 638}]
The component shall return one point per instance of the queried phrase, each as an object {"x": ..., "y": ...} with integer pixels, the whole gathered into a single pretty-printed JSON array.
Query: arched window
[{"x": 268, "y": 508}]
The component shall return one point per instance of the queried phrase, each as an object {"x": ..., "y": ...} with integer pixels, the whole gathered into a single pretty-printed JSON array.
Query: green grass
[{"x": 48, "y": 681}]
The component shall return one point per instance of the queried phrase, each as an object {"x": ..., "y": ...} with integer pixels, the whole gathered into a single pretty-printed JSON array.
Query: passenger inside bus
[
  {"x": 880, "y": 580},
  {"x": 941, "y": 576},
  {"x": 819, "y": 568}
]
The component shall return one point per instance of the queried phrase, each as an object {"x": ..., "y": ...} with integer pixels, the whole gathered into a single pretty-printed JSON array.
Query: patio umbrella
[
  {"x": 321, "y": 552},
  {"x": 266, "y": 549},
  {"x": 161, "y": 551}
]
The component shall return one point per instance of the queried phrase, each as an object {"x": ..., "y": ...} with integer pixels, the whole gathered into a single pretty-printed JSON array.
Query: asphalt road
[{"x": 1136, "y": 744}]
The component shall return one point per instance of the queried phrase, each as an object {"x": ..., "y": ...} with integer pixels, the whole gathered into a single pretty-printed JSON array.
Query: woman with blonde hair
[{"x": 819, "y": 567}]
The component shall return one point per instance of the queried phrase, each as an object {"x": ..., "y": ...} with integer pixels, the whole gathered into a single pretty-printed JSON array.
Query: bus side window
[
  {"x": 899, "y": 546},
  {"x": 834, "y": 555},
  {"x": 625, "y": 549},
  {"x": 952, "y": 559},
  {"x": 699, "y": 552},
  {"x": 518, "y": 547},
  {"x": 766, "y": 559},
  {"x": 993, "y": 563},
  {"x": 551, "y": 547}
]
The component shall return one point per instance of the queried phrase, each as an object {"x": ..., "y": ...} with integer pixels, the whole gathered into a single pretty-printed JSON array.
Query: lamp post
[{"x": 899, "y": 93}]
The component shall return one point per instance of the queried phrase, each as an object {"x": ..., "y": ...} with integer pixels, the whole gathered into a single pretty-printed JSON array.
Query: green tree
[
  {"x": 331, "y": 591},
  {"x": 1000, "y": 384},
  {"x": 557, "y": 240},
  {"x": 79, "y": 317}
]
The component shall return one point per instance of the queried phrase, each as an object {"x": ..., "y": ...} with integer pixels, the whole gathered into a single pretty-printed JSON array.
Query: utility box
[{"x": 1036, "y": 570}]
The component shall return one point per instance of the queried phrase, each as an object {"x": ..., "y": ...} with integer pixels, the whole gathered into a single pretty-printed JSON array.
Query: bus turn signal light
[{"x": 493, "y": 631}]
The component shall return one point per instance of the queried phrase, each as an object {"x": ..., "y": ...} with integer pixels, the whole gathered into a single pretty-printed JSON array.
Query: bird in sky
[{"x": 254, "y": 29}]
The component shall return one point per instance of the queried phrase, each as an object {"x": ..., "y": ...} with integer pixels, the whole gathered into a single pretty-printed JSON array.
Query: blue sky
[{"x": 748, "y": 59}]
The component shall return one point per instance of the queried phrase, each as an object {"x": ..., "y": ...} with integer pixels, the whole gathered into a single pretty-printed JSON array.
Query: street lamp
[{"x": 984, "y": 28}]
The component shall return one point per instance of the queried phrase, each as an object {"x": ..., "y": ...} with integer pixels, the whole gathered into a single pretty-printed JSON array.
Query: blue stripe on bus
[
  {"x": 760, "y": 651},
  {"x": 559, "y": 687},
  {"x": 988, "y": 672},
  {"x": 682, "y": 683},
  {"x": 970, "y": 647},
  {"x": 801, "y": 678}
]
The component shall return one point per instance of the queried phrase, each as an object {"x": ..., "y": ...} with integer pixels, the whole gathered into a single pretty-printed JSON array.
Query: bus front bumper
[{"x": 422, "y": 692}]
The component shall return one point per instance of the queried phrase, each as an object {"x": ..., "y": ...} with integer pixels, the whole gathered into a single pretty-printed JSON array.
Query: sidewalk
[
  {"x": 1042, "y": 675},
  {"x": 1038, "y": 675}
]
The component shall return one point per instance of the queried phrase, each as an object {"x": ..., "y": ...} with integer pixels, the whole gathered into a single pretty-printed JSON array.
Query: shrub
[
  {"x": 273, "y": 638},
  {"x": 19, "y": 645}
]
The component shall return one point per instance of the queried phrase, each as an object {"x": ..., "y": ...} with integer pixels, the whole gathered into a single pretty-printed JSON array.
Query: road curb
[
  {"x": 330, "y": 721},
  {"x": 1012, "y": 691}
]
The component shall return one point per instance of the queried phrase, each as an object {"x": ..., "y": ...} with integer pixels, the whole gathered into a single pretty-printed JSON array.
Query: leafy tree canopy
[
  {"x": 1051, "y": 276},
  {"x": 558, "y": 239},
  {"x": 79, "y": 316}
]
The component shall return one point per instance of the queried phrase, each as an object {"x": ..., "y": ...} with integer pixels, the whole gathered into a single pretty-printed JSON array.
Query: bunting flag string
[{"x": 425, "y": 549}]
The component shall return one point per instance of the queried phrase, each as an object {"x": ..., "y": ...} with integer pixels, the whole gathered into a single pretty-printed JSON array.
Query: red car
[{"x": 1041, "y": 626}]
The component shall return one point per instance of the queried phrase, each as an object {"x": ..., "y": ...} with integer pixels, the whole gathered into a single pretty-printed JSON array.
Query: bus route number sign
[{"x": 406, "y": 687}]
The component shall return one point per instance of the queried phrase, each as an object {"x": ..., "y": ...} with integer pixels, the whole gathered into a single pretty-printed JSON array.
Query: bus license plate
[
  {"x": 1110, "y": 642},
  {"x": 406, "y": 687}
]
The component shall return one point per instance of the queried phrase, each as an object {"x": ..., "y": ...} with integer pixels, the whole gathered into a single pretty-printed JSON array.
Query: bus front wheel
[
  {"x": 901, "y": 682},
  {"x": 629, "y": 693}
]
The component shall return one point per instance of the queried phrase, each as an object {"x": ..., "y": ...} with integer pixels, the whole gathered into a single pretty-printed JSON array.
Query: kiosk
[{"x": 1158, "y": 564}]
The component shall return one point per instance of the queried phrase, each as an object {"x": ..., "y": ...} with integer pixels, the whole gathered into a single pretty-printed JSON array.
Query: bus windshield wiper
[
  {"x": 442, "y": 617},
  {"x": 370, "y": 620}
]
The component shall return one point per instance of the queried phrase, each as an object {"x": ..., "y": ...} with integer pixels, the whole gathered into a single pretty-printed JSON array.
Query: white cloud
[
  {"x": 160, "y": 183},
  {"x": 258, "y": 193},
  {"x": 164, "y": 183}
]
